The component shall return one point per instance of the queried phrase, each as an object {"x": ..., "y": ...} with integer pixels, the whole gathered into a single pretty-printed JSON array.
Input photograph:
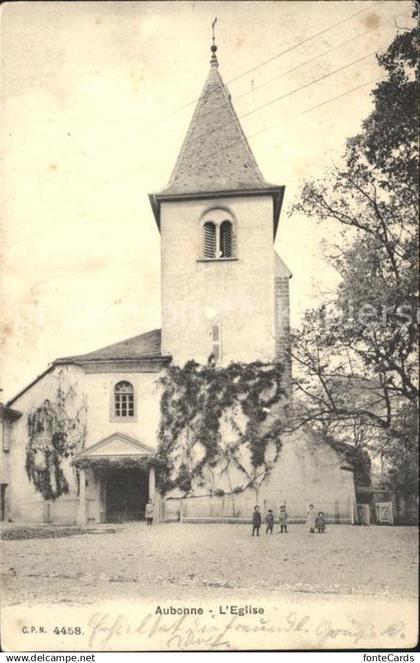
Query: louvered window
[
  {"x": 124, "y": 399},
  {"x": 218, "y": 236},
  {"x": 209, "y": 240},
  {"x": 226, "y": 240}
]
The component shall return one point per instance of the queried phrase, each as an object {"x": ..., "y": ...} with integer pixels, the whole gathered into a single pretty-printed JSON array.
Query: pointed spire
[
  {"x": 213, "y": 47},
  {"x": 215, "y": 154}
]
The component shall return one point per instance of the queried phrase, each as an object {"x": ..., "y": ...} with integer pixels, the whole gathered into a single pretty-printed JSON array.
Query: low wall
[
  {"x": 61, "y": 512},
  {"x": 239, "y": 508}
]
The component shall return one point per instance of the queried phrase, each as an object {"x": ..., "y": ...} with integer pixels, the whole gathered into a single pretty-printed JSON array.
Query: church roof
[
  {"x": 144, "y": 346},
  {"x": 215, "y": 157},
  {"x": 215, "y": 154}
]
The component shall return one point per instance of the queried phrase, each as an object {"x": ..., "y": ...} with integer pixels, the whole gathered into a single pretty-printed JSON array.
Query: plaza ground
[{"x": 177, "y": 560}]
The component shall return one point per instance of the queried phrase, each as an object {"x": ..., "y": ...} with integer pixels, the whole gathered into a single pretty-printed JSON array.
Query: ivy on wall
[
  {"x": 56, "y": 429},
  {"x": 199, "y": 403},
  {"x": 103, "y": 465}
]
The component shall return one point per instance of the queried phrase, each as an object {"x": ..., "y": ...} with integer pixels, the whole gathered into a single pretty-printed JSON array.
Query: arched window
[
  {"x": 218, "y": 235},
  {"x": 124, "y": 400},
  {"x": 209, "y": 240},
  {"x": 226, "y": 239}
]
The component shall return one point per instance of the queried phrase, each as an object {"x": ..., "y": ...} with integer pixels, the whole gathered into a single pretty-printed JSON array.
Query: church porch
[{"x": 116, "y": 478}]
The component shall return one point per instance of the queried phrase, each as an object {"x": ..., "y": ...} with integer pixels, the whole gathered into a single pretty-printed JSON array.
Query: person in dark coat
[
  {"x": 256, "y": 520},
  {"x": 320, "y": 522},
  {"x": 269, "y": 520}
]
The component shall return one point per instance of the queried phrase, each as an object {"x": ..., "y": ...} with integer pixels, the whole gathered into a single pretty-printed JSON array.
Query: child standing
[
  {"x": 256, "y": 520},
  {"x": 284, "y": 517},
  {"x": 149, "y": 512},
  {"x": 269, "y": 519},
  {"x": 310, "y": 519},
  {"x": 320, "y": 522}
]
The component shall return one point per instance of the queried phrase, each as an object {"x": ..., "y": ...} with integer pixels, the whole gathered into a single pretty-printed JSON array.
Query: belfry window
[
  {"x": 209, "y": 229},
  {"x": 218, "y": 238},
  {"x": 124, "y": 400},
  {"x": 226, "y": 239}
]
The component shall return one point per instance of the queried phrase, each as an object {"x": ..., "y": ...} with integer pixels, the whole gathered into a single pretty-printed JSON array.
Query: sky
[{"x": 97, "y": 98}]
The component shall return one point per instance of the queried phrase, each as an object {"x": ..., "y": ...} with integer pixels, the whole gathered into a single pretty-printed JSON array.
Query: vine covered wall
[
  {"x": 56, "y": 430},
  {"x": 214, "y": 419}
]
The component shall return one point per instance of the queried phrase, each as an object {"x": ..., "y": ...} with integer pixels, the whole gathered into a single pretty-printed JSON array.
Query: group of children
[{"x": 313, "y": 521}]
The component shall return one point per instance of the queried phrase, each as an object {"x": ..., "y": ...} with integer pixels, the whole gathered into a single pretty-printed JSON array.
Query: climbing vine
[
  {"x": 213, "y": 417},
  {"x": 103, "y": 465},
  {"x": 56, "y": 429}
]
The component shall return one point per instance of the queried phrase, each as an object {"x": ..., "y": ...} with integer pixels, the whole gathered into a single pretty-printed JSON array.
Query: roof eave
[
  {"x": 8, "y": 413},
  {"x": 28, "y": 386},
  {"x": 155, "y": 208},
  {"x": 277, "y": 193},
  {"x": 80, "y": 361},
  {"x": 277, "y": 205}
]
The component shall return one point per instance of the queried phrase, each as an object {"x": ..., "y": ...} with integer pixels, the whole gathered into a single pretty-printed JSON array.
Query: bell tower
[{"x": 218, "y": 217}]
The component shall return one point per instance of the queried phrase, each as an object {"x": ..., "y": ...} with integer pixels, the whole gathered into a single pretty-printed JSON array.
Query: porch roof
[{"x": 117, "y": 445}]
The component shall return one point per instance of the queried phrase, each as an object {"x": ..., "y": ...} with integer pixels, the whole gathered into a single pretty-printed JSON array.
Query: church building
[{"x": 225, "y": 298}]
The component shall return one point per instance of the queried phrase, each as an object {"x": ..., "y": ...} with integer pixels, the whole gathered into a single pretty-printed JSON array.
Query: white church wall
[
  {"x": 26, "y": 504},
  {"x": 306, "y": 472},
  {"x": 237, "y": 294},
  {"x": 309, "y": 472},
  {"x": 101, "y": 420}
]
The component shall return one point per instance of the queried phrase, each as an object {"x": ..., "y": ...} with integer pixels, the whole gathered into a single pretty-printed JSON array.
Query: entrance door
[{"x": 126, "y": 495}]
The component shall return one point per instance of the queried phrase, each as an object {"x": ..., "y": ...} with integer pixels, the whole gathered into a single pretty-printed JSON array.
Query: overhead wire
[
  {"x": 231, "y": 80},
  {"x": 140, "y": 166}
]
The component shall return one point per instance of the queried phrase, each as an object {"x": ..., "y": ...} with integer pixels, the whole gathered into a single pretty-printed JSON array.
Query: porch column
[
  {"x": 152, "y": 483},
  {"x": 82, "y": 511}
]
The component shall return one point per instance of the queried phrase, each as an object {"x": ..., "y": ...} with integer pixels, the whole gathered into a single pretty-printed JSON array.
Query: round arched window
[
  {"x": 226, "y": 237},
  {"x": 209, "y": 238},
  {"x": 217, "y": 235},
  {"x": 124, "y": 399}
]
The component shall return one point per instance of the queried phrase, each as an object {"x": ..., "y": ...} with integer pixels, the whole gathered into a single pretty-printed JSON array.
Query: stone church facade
[{"x": 225, "y": 295}]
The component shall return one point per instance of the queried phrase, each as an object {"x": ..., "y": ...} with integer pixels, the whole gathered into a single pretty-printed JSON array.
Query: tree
[{"x": 356, "y": 357}]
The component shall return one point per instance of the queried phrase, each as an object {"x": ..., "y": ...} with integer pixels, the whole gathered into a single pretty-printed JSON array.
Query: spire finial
[{"x": 213, "y": 48}]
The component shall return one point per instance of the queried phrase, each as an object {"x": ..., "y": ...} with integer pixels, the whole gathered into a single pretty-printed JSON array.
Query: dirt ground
[{"x": 198, "y": 560}]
